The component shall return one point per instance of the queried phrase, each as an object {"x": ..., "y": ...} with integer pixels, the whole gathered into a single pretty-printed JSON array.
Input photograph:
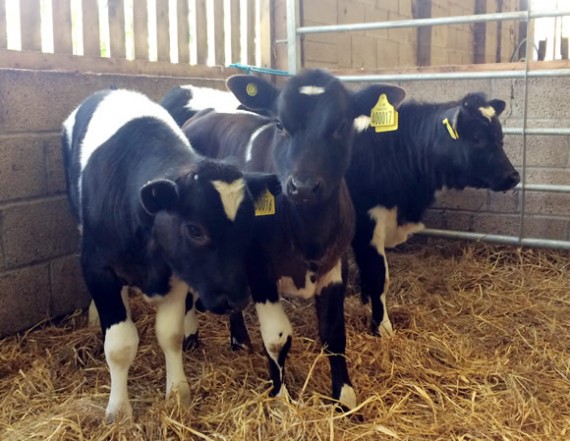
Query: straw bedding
[{"x": 481, "y": 352}]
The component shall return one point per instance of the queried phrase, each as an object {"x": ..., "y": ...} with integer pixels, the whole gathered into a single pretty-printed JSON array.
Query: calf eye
[
  {"x": 279, "y": 125},
  {"x": 196, "y": 234}
]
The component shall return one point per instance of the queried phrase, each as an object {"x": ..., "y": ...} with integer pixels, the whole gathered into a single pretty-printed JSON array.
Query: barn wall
[
  {"x": 39, "y": 272},
  {"x": 547, "y": 215},
  {"x": 397, "y": 48}
]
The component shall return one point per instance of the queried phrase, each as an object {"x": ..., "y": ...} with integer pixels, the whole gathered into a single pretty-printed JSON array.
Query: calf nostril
[{"x": 316, "y": 187}]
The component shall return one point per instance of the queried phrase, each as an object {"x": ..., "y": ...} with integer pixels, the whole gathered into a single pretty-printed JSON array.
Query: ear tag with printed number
[
  {"x": 265, "y": 204},
  {"x": 452, "y": 132},
  {"x": 384, "y": 117}
]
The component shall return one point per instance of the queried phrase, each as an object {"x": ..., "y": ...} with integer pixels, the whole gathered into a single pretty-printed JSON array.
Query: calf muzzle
[{"x": 304, "y": 190}]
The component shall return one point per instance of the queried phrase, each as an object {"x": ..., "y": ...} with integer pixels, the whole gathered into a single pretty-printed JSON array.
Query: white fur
[
  {"x": 387, "y": 234},
  {"x": 311, "y": 90},
  {"x": 348, "y": 396},
  {"x": 170, "y": 332},
  {"x": 68, "y": 125},
  {"x": 114, "y": 111},
  {"x": 208, "y": 98},
  {"x": 232, "y": 195},
  {"x": 286, "y": 286},
  {"x": 252, "y": 138},
  {"x": 334, "y": 276},
  {"x": 275, "y": 328},
  {"x": 121, "y": 344},
  {"x": 361, "y": 123},
  {"x": 488, "y": 112}
]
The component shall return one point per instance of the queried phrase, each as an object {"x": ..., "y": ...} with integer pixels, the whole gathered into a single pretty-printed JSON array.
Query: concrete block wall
[
  {"x": 547, "y": 215},
  {"x": 396, "y": 48},
  {"x": 39, "y": 273}
]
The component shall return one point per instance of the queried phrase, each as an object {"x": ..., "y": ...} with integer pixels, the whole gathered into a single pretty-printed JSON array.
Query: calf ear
[
  {"x": 258, "y": 182},
  {"x": 253, "y": 92},
  {"x": 366, "y": 99},
  {"x": 498, "y": 105},
  {"x": 160, "y": 194}
]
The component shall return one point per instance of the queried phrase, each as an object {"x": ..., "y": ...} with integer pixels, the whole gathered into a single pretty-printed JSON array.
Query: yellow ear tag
[
  {"x": 384, "y": 117},
  {"x": 452, "y": 132},
  {"x": 265, "y": 204},
  {"x": 251, "y": 89}
]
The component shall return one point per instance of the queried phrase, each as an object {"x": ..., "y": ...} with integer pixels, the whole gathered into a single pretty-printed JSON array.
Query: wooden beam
[
  {"x": 219, "y": 33},
  {"x": 30, "y": 25},
  {"x": 479, "y": 30},
  {"x": 523, "y": 31},
  {"x": 140, "y": 29},
  {"x": 266, "y": 33},
  {"x": 183, "y": 13},
  {"x": 62, "y": 41},
  {"x": 201, "y": 32},
  {"x": 422, "y": 9},
  {"x": 3, "y": 31},
  {"x": 162, "y": 31},
  {"x": 498, "y": 53},
  {"x": 91, "y": 36},
  {"x": 117, "y": 28},
  {"x": 236, "y": 30}
]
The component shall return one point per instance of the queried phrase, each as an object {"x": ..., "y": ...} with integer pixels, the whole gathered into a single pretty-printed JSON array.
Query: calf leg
[
  {"x": 276, "y": 332},
  {"x": 191, "y": 322},
  {"x": 370, "y": 258},
  {"x": 119, "y": 332},
  {"x": 330, "y": 313},
  {"x": 170, "y": 333},
  {"x": 239, "y": 337}
]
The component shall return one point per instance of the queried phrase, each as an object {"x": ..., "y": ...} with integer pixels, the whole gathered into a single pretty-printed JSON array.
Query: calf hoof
[
  {"x": 347, "y": 397},
  {"x": 191, "y": 342},
  {"x": 183, "y": 391},
  {"x": 383, "y": 329},
  {"x": 238, "y": 345},
  {"x": 118, "y": 411}
]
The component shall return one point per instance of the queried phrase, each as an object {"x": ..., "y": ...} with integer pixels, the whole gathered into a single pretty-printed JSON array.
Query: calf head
[
  {"x": 473, "y": 145},
  {"x": 202, "y": 225},
  {"x": 313, "y": 132}
]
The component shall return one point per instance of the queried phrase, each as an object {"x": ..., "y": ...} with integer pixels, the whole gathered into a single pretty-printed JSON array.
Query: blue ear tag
[{"x": 452, "y": 132}]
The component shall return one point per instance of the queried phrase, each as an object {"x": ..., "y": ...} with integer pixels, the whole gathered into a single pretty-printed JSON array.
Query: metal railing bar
[
  {"x": 537, "y": 131},
  {"x": 548, "y": 188},
  {"x": 497, "y": 238},
  {"x": 456, "y": 75},
  {"x": 420, "y": 22}
]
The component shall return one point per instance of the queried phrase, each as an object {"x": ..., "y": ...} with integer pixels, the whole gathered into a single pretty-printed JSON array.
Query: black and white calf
[
  {"x": 393, "y": 177},
  {"x": 153, "y": 215},
  {"x": 183, "y": 102},
  {"x": 300, "y": 250}
]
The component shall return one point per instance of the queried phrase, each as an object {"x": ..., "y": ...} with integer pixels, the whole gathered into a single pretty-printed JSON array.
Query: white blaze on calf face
[
  {"x": 311, "y": 90},
  {"x": 252, "y": 138},
  {"x": 361, "y": 123},
  {"x": 231, "y": 195},
  {"x": 488, "y": 112},
  {"x": 68, "y": 125}
]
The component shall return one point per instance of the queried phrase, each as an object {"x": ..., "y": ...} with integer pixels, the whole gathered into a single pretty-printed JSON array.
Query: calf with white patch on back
[
  {"x": 154, "y": 215},
  {"x": 300, "y": 249},
  {"x": 393, "y": 177}
]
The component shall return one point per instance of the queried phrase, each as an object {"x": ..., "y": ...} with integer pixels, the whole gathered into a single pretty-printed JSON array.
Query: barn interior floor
[{"x": 481, "y": 352}]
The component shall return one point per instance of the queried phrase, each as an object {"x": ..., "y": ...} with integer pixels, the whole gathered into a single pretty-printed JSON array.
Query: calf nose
[
  {"x": 304, "y": 189},
  {"x": 513, "y": 179}
]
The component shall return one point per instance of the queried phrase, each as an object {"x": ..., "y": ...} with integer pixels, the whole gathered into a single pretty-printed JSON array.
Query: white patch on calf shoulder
[
  {"x": 334, "y": 276},
  {"x": 208, "y": 98},
  {"x": 121, "y": 344},
  {"x": 114, "y": 111},
  {"x": 361, "y": 123},
  {"x": 231, "y": 195},
  {"x": 252, "y": 138},
  {"x": 311, "y": 90},
  {"x": 68, "y": 125},
  {"x": 347, "y": 396},
  {"x": 387, "y": 233},
  {"x": 286, "y": 286},
  {"x": 488, "y": 112}
]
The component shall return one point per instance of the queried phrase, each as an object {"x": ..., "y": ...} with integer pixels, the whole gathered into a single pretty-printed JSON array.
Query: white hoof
[
  {"x": 385, "y": 329},
  {"x": 284, "y": 394},
  {"x": 182, "y": 389},
  {"x": 347, "y": 397},
  {"x": 118, "y": 411}
]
